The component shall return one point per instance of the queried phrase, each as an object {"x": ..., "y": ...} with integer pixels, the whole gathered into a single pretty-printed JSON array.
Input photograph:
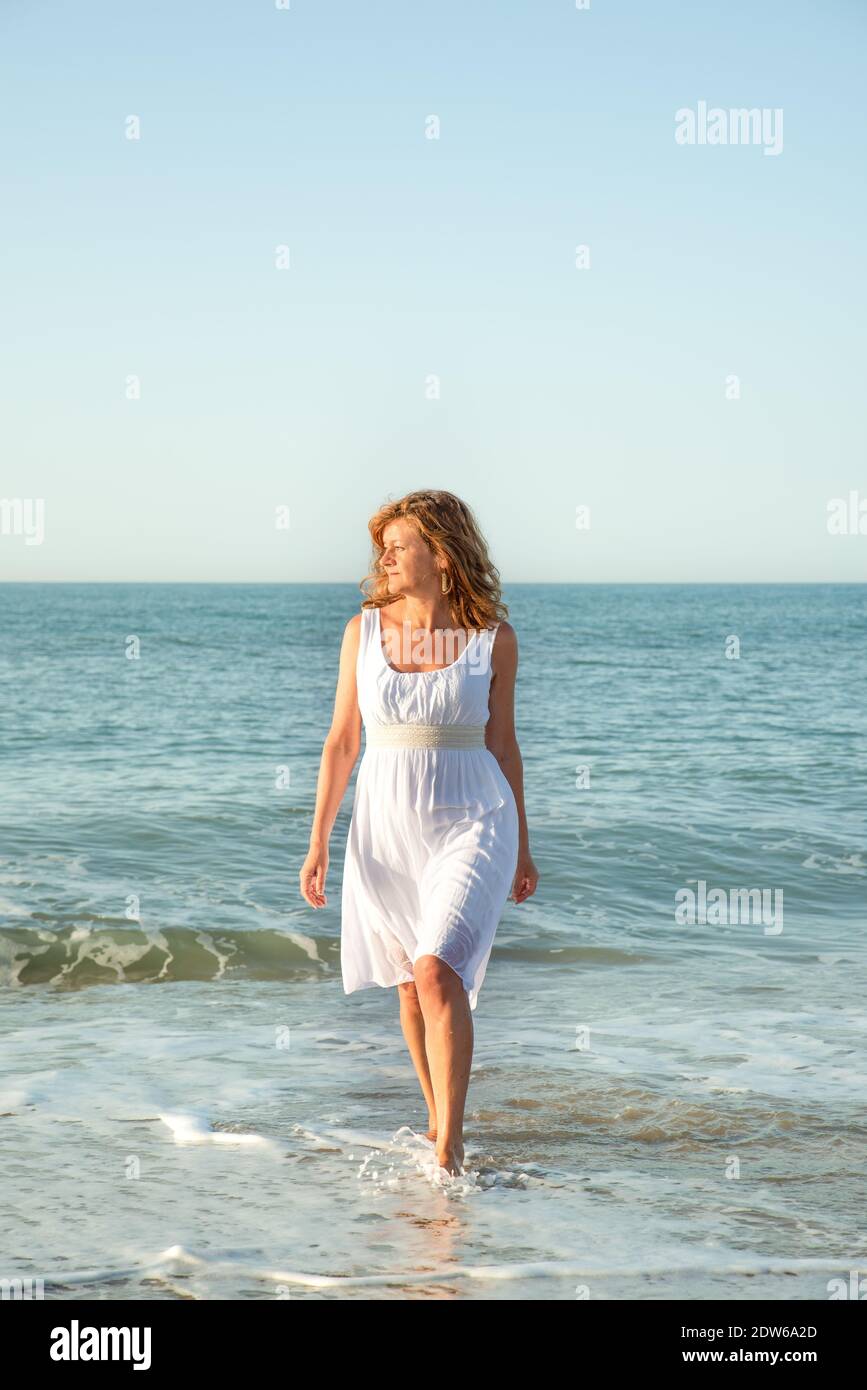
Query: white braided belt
[{"x": 425, "y": 735}]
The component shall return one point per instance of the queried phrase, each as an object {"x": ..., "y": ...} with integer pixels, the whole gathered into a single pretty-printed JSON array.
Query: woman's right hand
[{"x": 313, "y": 872}]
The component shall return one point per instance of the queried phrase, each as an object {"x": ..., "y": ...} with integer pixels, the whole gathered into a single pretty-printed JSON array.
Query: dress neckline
[{"x": 437, "y": 671}]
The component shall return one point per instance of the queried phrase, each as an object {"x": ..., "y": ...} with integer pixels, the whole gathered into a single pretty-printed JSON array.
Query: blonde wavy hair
[{"x": 451, "y": 530}]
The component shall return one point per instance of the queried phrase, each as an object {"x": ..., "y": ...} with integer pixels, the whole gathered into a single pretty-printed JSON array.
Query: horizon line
[{"x": 526, "y": 583}]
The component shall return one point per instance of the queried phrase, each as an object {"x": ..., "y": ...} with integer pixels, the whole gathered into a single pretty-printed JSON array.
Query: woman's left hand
[{"x": 526, "y": 878}]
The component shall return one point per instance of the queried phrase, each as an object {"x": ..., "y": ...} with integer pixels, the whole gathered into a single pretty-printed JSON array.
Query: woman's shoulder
[
  {"x": 353, "y": 630},
  {"x": 356, "y": 622},
  {"x": 504, "y": 647}
]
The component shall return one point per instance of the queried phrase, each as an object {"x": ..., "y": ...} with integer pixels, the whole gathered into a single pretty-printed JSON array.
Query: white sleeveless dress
[{"x": 432, "y": 848}]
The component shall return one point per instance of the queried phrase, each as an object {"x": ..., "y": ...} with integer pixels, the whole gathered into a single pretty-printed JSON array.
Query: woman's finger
[{"x": 312, "y": 881}]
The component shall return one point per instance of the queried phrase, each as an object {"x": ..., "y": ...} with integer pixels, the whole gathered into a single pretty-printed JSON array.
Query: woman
[{"x": 438, "y": 836}]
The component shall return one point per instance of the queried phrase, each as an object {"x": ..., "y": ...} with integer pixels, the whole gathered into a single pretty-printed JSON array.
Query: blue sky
[{"x": 410, "y": 258}]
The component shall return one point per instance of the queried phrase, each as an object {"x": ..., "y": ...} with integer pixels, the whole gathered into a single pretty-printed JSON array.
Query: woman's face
[{"x": 408, "y": 560}]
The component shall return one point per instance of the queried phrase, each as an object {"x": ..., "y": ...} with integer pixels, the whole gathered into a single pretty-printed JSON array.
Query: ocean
[{"x": 667, "y": 1097}]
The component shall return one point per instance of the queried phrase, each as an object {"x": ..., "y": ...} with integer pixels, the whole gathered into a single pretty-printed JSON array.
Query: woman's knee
[
  {"x": 434, "y": 974},
  {"x": 408, "y": 994}
]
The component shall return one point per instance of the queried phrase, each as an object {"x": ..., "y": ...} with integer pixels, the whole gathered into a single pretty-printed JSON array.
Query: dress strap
[{"x": 364, "y": 636}]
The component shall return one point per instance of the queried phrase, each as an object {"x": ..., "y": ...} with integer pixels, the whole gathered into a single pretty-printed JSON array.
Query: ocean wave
[{"x": 77, "y": 955}]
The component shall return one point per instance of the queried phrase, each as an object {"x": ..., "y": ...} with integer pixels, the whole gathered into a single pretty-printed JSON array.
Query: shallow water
[{"x": 191, "y": 1107}]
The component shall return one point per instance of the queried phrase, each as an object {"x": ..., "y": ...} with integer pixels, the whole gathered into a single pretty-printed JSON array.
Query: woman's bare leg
[
  {"x": 448, "y": 1035},
  {"x": 412, "y": 1023}
]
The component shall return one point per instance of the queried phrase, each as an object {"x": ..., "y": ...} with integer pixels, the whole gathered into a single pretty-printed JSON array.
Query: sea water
[{"x": 659, "y": 1108}]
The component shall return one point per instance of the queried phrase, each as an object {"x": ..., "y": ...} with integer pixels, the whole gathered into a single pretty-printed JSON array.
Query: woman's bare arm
[
  {"x": 339, "y": 754},
  {"x": 501, "y": 740}
]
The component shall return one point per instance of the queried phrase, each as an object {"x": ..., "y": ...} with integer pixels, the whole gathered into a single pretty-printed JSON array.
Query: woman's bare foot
[
  {"x": 451, "y": 1157},
  {"x": 431, "y": 1127}
]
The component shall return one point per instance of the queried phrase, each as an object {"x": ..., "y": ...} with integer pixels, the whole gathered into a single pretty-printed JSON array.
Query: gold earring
[{"x": 445, "y": 588}]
